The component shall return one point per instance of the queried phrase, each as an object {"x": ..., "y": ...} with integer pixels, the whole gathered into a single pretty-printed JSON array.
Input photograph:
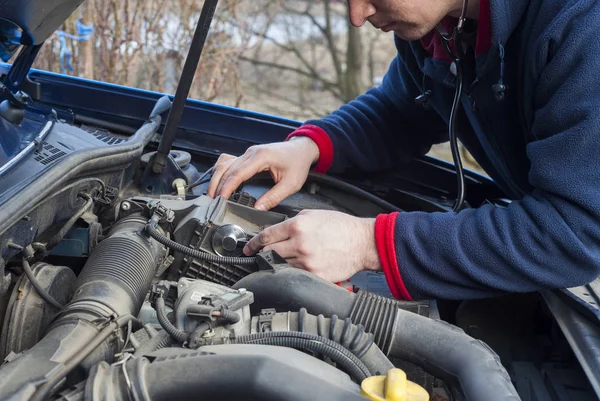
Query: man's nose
[{"x": 359, "y": 11}]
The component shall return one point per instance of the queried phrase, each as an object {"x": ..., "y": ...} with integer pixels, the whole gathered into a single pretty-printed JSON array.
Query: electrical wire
[
  {"x": 196, "y": 254},
  {"x": 36, "y": 284},
  {"x": 353, "y": 190},
  {"x": 180, "y": 336},
  {"x": 321, "y": 345},
  {"x": 460, "y": 174},
  {"x": 204, "y": 178},
  {"x": 69, "y": 224}
]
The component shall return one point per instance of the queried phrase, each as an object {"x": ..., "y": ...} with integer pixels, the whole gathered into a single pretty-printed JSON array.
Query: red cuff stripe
[
  {"x": 484, "y": 29},
  {"x": 384, "y": 237},
  {"x": 323, "y": 142}
]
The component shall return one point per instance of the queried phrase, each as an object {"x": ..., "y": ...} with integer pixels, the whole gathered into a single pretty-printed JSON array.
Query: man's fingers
[
  {"x": 268, "y": 236},
  {"x": 241, "y": 170},
  {"x": 285, "y": 249},
  {"x": 275, "y": 195},
  {"x": 221, "y": 166}
]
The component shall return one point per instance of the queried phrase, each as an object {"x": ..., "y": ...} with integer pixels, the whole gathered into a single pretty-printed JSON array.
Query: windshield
[
  {"x": 296, "y": 60},
  {"x": 15, "y": 138}
]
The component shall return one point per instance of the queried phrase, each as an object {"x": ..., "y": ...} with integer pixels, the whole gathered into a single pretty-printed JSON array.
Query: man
[{"x": 530, "y": 115}]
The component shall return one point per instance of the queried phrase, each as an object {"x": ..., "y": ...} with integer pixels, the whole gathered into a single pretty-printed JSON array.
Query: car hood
[{"x": 31, "y": 22}]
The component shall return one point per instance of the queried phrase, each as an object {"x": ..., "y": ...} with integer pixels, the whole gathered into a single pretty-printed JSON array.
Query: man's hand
[
  {"x": 332, "y": 245},
  {"x": 288, "y": 162}
]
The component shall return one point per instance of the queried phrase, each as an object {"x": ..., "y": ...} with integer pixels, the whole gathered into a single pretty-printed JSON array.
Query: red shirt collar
[{"x": 433, "y": 44}]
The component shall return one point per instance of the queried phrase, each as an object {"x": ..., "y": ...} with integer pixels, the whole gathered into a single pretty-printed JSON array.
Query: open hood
[
  {"x": 121, "y": 279},
  {"x": 31, "y": 22}
]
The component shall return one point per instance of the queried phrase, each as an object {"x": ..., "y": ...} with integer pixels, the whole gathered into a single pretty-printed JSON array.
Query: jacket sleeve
[
  {"x": 377, "y": 130},
  {"x": 548, "y": 239}
]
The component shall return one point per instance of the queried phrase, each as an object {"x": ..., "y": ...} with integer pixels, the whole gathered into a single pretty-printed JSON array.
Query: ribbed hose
[
  {"x": 120, "y": 270},
  {"x": 342, "y": 331},
  {"x": 165, "y": 342},
  {"x": 321, "y": 345},
  {"x": 352, "y": 336},
  {"x": 438, "y": 347},
  {"x": 377, "y": 314},
  {"x": 178, "y": 335},
  {"x": 110, "y": 259},
  {"x": 113, "y": 283},
  {"x": 194, "y": 253}
]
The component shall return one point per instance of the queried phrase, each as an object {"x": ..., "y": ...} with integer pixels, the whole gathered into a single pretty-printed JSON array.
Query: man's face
[{"x": 409, "y": 19}]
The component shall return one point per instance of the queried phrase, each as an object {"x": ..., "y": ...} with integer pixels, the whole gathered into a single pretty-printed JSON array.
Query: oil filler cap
[{"x": 392, "y": 387}]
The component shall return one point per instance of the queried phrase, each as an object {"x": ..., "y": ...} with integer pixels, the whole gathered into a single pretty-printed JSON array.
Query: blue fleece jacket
[{"x": 540, "y": 144}]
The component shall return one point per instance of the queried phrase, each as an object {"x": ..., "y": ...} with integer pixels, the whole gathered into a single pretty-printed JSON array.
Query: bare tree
[
  {"x": 311, "y": 58},
  {"x": 296, "y": 59},
  {"x": 143, "y": 43}
]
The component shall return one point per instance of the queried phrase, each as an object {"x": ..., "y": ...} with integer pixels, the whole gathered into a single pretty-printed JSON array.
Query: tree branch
[{"x": 330, "y": 86}]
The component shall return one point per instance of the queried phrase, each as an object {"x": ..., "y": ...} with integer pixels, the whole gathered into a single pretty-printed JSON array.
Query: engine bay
[
  {"x": 114, "y": 288},
  {"x": 120, "y": 279},
  {"x": 117, "y": 285},
  {"x": 122, "y": 282}
]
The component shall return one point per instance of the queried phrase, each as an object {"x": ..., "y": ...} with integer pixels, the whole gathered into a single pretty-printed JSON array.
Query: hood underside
[{"x": 31, "y": 22}]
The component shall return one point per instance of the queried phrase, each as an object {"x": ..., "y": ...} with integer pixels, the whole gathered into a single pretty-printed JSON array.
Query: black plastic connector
[{"x": 159, "y": 290}]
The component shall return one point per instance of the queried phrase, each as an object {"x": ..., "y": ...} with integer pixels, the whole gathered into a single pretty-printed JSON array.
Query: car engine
[
  {"x": 113, "y": 291},
  {"x": 118, "y": 284}
]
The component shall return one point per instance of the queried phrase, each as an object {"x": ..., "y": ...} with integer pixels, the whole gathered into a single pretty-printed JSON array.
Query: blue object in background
[
  {"x": 84, "y": 32},
  {"x": 10, "y": 39}
]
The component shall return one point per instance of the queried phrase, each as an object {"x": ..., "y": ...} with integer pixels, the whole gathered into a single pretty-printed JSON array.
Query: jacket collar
[{"x": 498, "y": 19}]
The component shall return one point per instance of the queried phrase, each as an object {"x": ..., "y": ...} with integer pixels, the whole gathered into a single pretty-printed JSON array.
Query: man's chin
[{"x": 410, "y": 33}]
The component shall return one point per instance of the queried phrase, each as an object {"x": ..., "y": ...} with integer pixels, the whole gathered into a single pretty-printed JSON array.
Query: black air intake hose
[
  {"x": 119, "y": 272},
  {"x": 349, "y": 335},
  {"x": 441, "y": 349},
  {"x": 113, "y": 281}
]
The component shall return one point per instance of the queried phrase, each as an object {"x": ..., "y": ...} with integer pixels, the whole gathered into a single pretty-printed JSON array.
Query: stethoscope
[{"x": 457, "y": 59}]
